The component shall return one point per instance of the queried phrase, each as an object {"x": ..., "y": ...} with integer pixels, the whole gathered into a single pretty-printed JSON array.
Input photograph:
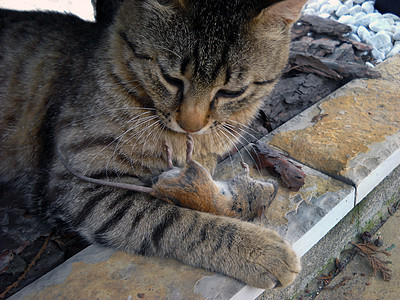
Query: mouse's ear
[{"x": 287, "y": 11}]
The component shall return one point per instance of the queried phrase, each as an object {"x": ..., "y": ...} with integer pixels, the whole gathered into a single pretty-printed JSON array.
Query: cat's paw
[{"x": 267, "y": 261}]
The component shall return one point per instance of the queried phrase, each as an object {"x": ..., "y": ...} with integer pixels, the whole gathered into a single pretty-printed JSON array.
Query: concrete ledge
[{"x": 350, "y": 142}]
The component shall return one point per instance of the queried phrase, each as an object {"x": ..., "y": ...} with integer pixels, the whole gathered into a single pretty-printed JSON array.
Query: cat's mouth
[
  {"x": 187, "y": 125},
  {"x": 174, "y": 126}
]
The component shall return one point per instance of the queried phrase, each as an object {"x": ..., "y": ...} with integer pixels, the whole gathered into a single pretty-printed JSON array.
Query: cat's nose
[
  {"x": 192, "y": 118},
  {"x": 191, "y": 124}
]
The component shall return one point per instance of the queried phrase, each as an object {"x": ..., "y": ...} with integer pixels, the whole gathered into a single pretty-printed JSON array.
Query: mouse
[{"x": 193, "y": 187}]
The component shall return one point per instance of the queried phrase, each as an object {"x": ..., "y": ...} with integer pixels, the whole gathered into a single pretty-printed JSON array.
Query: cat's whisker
[
  {"x": 242, "y": 125},
  {"x": 222, "y": 131},
  {"x": 118, "y": 138},
  {"x": 139, "y": 134},
  {"x": 138, "y": 116},
  {"x": 106, "y": 112},
  {"x": 119, "y": 145},
  {"x": 221, "y": 141},
  {"x": 250, "y": 144},
  {"x": 232, "y": 128}
]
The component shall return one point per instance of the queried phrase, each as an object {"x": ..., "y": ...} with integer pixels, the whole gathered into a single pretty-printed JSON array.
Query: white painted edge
[
  {"x": 377, "y": 175},
  {"x": 320, "y": 229},
  {"x": 248, "y": 292},
  {"x": 309, "y": 239}
]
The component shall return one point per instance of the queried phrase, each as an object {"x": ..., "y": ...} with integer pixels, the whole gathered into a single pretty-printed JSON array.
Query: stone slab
[
  {"x": 101, "y": 273},
  {"x": 301, "y": 217},
  {"x": 353, "y": 134}
]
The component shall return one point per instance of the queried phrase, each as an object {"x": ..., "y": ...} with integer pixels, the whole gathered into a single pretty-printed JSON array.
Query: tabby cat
[{"x": 110, "y": 97}]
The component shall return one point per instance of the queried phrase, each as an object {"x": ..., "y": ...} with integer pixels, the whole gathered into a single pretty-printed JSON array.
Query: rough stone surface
[
  {"x": 100, "y": 273},
  {"x": 349, "y": 124}
]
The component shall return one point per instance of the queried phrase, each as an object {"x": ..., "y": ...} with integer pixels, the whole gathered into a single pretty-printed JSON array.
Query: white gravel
[{"x": 382, "y": 31}]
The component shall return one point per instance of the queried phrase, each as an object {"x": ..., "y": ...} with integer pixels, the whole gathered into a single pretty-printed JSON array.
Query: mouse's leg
[
  {"x": 168, "y": 150},
  {"x": 189, "y": 149}
]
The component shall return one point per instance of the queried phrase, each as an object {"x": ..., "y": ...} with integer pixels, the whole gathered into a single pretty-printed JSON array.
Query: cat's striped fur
[{"x": 110, "y": 97}]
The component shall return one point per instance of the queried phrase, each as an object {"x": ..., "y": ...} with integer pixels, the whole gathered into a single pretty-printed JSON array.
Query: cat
[{"x": 110, "y": 97}]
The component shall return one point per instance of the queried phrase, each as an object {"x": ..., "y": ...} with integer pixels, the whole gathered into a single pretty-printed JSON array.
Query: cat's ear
[{"x": 286, "y": 10}]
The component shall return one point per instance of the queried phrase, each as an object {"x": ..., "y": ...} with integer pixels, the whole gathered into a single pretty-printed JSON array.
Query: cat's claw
[{"x": 245, "y": 167}]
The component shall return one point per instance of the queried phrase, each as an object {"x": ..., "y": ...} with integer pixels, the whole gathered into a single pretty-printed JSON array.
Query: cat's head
[{"x": 202, "y": 63}]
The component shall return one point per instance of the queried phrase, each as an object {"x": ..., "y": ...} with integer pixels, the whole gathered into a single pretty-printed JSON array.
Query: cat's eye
[
  {"x": 265, "y": 82},
  {"x": 230, "y": 94},
  {"x": 176, "y": 82}
]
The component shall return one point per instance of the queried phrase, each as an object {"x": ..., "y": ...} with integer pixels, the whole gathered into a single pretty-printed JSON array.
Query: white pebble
[
  {"x": 394, "y": 28},
  {"x": 391, "y": 16},
  {"x": 353, "y": 28},
  {"x": 394, "y": 51},
  {"x": 349, "y": 20},
  {"x": 364, "y": 21},
  {"x": 360, "y": 15},
  {"x": 378, "y": 55},
  {"x": 358, "y": 1},
  {"x": 348, "y": 3},
  {"x": 390, "y": 34},
  {"x": 386, "y": 49},
  {"x": 327, "y": 8},
  {"x": 354, "y": 37},
  {"x": 314, "y": 5},
  {"x": 355, "y": 10},
  {"x": 368, "y": 64},
  {"x": 367, "y": 7},
  {"x": 324, "y": 16},
  {"x": 381, "y": 39},
  {"x": 335, "y": 3},
  {"x": 396, "y": 36},
  {"x": 379, "y": 25},
  {"x": 390, "y": 21},
  {"x": 363, "y": 33},
  {"x": 342, "y": 10},
  {"x": 309, "y": 12}
]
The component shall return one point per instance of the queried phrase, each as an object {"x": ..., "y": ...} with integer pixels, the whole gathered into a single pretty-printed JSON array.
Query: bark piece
[{"x": 279, "y": 165}]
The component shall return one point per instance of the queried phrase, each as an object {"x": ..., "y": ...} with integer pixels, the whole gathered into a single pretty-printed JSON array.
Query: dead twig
[
  {"x": 343, "y": 282},
  {"x": 31, "y": 264},
  {"x": 370, "y": 251}
]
